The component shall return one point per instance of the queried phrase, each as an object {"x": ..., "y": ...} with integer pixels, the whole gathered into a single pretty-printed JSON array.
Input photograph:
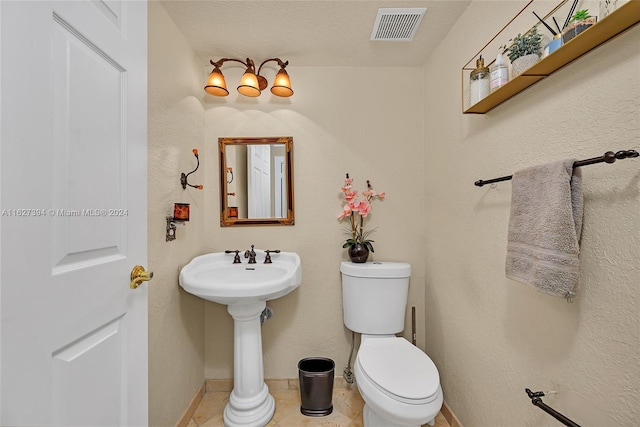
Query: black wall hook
[{"x": 183, "y": 176}]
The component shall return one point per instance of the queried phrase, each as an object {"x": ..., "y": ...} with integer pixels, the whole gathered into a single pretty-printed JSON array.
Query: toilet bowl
[{"x": 398, "y": 382}]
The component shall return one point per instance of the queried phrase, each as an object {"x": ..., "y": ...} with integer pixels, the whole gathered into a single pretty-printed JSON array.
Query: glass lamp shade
[
  {"x": 282, "y": 84},
  {"x": 216, "y": 84},
  {"x": 249, "y": 84}
]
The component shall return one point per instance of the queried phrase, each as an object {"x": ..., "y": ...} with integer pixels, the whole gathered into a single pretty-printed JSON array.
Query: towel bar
[
  {"x": 608, "y": 157},
  {"x": 537, "y": 401}
]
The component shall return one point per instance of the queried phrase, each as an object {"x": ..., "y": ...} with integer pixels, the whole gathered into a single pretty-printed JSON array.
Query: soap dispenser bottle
[
  {"x": 499, "y": 73},
  {"x": 479, "y": 82}
]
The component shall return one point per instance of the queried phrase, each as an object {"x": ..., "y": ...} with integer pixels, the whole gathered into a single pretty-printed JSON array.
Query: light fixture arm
[
  {"x": 218, "y": 63},
  {"x": 278, "y": 60}
]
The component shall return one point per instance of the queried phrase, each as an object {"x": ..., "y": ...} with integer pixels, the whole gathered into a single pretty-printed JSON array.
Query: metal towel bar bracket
[
  {"x": 608, "y": 157},
  {"x": 536, "y": 400}
]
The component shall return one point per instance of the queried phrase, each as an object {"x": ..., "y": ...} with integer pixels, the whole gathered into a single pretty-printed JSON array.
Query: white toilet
[{"x": 398, "y": 382}]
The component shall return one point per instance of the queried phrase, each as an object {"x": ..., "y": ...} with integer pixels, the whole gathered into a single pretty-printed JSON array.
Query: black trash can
[{"x": 316, "y": 386}]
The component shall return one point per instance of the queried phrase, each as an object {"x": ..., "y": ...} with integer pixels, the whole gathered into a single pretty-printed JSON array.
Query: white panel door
[
  {"x": 259, "y": 182},
  {"x": 280, "y": 187},
  {"x": 73, "y": 335}
]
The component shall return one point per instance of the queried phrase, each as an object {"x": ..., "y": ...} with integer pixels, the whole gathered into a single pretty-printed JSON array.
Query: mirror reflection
[{"x": 256, "y": 185}]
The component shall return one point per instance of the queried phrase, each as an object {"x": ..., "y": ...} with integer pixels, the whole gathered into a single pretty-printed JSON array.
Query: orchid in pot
[{"x": 357, "y": 210}]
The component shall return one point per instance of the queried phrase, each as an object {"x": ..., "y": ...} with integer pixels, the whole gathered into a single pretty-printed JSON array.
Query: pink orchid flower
[
  {"x": 357, "y": 210},
  {"x": 364, "y": 207},
  {"x": 345, "y": 212},
  {"x": 350, "y": 195}
]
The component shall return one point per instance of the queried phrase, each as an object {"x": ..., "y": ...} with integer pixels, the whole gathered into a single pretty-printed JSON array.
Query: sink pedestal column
[{"x": 250, "y": 403}]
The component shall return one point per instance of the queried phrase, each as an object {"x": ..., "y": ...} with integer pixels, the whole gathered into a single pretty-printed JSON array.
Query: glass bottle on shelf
[
  {"x": 499, "y": 73},
  {"x": 479, "y": 85}
]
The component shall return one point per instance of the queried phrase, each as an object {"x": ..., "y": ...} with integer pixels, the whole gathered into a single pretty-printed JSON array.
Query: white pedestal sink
[{"x": 244, "y": 288}]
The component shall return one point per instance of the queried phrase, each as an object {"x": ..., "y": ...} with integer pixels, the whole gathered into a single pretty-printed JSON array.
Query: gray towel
[{"x": 544, "y": 228}]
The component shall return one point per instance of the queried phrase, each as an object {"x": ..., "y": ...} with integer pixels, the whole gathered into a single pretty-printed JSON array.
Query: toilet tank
[{"x": 374, "y": 296}]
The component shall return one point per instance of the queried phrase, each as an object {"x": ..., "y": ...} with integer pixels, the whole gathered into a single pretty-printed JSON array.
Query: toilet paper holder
[{"x": 536, "y": 400}]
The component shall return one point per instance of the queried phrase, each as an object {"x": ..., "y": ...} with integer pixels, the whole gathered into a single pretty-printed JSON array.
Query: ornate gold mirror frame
[{"x": 268, "y": 198}]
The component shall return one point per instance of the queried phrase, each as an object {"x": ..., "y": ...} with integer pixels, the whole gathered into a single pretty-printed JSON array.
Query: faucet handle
[
  {"x": 236, "y": 259},
  {"x": 267, "y": 258}
]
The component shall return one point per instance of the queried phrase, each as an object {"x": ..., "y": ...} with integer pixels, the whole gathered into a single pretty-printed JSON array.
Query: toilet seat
[{"x": 399, "y": 370}]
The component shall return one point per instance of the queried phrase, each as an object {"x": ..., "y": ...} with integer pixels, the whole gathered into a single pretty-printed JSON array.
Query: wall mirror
[{"x": 256, "y": 181}]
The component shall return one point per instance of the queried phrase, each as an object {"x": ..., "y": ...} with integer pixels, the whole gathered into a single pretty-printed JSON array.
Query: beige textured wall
[
  {"x": 492, "y": 337},
  {"x": 341, "y": 122},
  {"x": 176, "y": 126},
  {"x": 489, "y": 336}
]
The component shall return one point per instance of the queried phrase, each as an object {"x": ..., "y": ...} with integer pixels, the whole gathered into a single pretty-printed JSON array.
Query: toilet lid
[{"x": 399, "y": 368}]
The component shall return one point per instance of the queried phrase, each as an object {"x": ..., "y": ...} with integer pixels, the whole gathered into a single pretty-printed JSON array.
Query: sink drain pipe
[{"x": 266, "y": 314}]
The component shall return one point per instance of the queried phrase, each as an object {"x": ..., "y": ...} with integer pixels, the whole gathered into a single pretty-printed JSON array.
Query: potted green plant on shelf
[
  {"x": 524, "y": 50},
  {"x": 580, "y": 21}
]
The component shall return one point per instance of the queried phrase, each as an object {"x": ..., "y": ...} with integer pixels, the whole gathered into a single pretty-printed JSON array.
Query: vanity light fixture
[{"x": 251, "y": 84}]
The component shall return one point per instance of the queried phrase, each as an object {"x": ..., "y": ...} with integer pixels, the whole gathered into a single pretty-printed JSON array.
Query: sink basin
[
  {"x": 214, "y": 277},
  {"x": 244, "y": 288}
]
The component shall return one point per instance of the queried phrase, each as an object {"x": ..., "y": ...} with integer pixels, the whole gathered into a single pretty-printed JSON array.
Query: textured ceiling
[{"x": 308, "y": 33}]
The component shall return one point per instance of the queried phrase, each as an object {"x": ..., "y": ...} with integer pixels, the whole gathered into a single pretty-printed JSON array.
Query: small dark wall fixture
[
  {"x": 181, "y": 211},
  {"x": 536, "y": 400},
  {"x": 184, "y": 177},
  {"x": 171, "y": 229},
  {"x": 180, "y": 218}
]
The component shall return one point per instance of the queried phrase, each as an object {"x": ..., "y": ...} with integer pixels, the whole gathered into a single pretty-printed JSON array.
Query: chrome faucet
[{"x": 251, "y": 254}]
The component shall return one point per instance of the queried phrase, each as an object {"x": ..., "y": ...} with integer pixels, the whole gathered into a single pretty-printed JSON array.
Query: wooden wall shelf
[{"x": 617, "y": 22}]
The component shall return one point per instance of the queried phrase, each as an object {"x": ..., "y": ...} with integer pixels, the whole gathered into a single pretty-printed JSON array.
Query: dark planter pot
[{"x": 358, "y": 253}]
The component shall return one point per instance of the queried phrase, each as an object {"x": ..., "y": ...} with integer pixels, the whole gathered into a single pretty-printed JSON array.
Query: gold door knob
[{"x": 139, "y": 275}]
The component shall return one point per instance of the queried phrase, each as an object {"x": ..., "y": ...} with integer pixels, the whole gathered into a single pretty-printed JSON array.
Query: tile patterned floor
[{"x": 347, "y": 407}]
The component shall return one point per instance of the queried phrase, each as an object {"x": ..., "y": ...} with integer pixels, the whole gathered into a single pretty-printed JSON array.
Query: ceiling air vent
[{"x": 397, "y": 24}]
